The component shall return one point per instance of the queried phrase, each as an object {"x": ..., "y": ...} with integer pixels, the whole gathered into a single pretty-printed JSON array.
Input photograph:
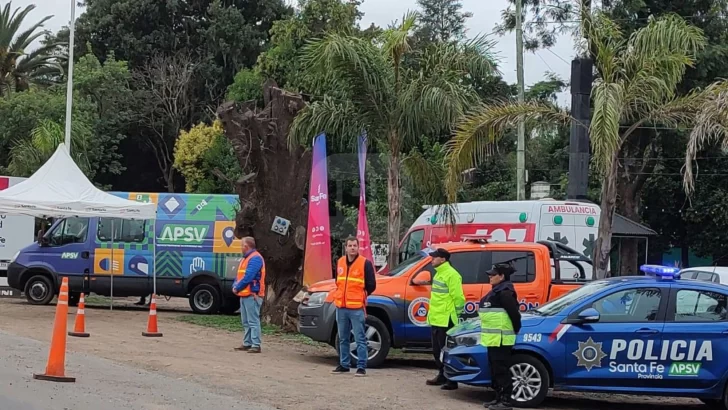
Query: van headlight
[
  {"x": 316, "y": 299},
  {"x": 15, "y": 257}
]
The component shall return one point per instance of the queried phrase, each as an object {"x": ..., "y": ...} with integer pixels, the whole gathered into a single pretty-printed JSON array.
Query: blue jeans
[
  {"x": 348, "y": 320},
  {"x": 250, "y": 316}
]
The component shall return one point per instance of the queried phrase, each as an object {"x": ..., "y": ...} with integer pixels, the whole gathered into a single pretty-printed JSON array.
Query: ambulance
[{"x": 573, "y": 224}]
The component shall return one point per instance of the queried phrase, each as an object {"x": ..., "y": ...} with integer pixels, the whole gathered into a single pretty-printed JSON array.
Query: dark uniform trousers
[
  {"x": 439, "y": 334},
  {"x": 499, "y": 360}
]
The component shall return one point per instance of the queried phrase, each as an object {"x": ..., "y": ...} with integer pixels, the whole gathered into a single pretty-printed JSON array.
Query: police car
[{"x": 651, "y": 335}]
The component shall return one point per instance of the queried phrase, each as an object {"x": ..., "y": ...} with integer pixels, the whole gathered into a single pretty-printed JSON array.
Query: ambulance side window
[
  {"x": 411, "y": 245},
  {"x": 632, "y": 305}
]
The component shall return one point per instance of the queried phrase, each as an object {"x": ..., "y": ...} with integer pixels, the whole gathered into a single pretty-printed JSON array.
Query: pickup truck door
[
  {"x": 417, "y": 298},
  {"x": 531, "y": 291}
]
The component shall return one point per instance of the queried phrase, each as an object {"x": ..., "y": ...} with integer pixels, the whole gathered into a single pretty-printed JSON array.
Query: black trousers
[
  {"x": 499, "y": 359},
  {"x": 439, "y": 334}
]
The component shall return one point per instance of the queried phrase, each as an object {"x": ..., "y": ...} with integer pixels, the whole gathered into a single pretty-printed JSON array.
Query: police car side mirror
[
  {"x": 422, "y": 278},
  {"x": 590, "y": 315}
]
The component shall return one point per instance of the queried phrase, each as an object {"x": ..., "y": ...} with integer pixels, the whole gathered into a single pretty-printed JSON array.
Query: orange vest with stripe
[
  {"x": 350, "y": 291},
  {"x": 256, "y": 283}
]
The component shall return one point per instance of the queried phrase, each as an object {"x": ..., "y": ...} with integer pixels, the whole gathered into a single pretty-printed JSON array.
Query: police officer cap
[
  {"x": 440, "y": 253},
  {"x": 501, "y": 269}
]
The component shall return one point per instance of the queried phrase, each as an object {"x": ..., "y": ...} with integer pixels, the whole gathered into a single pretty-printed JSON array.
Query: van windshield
[{"x": 408, "y": 263}]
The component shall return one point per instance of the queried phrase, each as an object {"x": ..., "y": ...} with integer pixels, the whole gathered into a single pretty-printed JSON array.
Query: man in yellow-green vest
[
  {"x": 500, "y": 321},
  {"x": 446, "y": 304}
]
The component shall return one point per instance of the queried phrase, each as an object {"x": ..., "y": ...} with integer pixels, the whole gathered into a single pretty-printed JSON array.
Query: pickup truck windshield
[
  {"x": 575, "y": 296},
  {"x": 407, "y": 264}
]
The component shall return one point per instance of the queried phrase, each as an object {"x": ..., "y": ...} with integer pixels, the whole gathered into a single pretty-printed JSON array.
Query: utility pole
[
  {"x": 69, "y": 85},
  {"x": 521, "y": 149}
]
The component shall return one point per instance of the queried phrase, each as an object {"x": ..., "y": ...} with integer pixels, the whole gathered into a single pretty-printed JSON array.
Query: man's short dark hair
[{"x": 351, "y": 239}]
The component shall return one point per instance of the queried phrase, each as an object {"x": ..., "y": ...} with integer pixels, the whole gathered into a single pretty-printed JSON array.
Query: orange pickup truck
[{"x": 397, "y": 311}]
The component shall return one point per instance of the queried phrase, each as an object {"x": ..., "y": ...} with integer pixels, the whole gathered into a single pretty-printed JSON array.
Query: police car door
[
  {"x": 695, "y": 336},
  {"x": 623, "y": 347}
]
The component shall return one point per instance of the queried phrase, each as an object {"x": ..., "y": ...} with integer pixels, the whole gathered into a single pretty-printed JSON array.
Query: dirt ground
[{"x": 287, "y": 375}]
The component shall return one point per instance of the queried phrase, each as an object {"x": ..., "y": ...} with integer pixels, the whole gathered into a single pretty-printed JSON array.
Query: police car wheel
[
  {"x": 205, "y": 299},
  {"x": 531, "y": 380},
  {"x": 39, "y": 290}
]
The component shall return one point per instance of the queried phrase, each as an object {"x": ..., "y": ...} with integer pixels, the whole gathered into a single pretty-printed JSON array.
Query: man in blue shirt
[{"x": 250, "y": 286}]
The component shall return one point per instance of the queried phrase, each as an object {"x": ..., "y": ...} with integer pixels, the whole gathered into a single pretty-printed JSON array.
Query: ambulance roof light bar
[
  {"x": 662, "y": 272},
  {"x": 477, "y": 238}
]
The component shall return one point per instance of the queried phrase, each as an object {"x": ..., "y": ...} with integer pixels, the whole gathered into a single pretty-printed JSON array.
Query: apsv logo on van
[{"x": 183, "y": 234}]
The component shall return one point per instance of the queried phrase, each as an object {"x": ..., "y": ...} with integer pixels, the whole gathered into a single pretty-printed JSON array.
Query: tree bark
[
  {"x": 260, "y": 141},
  {"x": 603, "y": 247},
  {"x": 394, "y": 198}
]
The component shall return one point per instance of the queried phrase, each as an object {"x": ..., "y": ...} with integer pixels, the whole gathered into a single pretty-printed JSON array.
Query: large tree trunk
[
  {"x": 636, "y": 165},
  {"x": 394, "y": 196},
  {"x": 603, "y": 247},
  {"x": 276, "y": 188}
]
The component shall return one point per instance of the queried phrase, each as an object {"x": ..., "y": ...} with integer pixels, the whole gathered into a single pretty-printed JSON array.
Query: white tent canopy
[{"x": 60, "y": 189}]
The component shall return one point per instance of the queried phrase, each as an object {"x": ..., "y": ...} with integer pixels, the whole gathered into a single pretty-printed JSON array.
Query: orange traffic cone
[
  {"x": 55, "y": 369},
  {"x": 152, "y": 330},
  {"x": 79, "y": 329}
]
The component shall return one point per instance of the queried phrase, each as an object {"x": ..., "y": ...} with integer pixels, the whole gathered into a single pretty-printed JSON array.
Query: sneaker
[
  {"x": 340, "y": 369},
  {"x": 360, "y": 373},
  {"x": 242, "y": 348},
  {"x": 438, "y": 380},
  {"x": 254, "y": 349},
  {"x": 449, "y": 386}
]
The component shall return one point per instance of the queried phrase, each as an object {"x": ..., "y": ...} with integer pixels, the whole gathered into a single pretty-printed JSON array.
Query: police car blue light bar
[{"x": 661, "y": 271}]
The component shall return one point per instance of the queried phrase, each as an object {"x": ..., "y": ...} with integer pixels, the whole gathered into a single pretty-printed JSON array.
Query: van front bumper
[{"x": 15, "y": 270}]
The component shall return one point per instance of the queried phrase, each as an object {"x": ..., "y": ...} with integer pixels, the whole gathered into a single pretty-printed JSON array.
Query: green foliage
[
  {"x": 27, "y": 155},
  {"x": 19, "y": 65},
  {"x": 312, "y": 19},
  {"x": 441, "y": 20},
  {"x": 221, "y": 167},
  {"x": 189, "y": 150},
  {"x": 247, "y": 86}
]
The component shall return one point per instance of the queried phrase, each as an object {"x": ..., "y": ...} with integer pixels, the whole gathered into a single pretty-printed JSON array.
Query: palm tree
[
  {"x": 29, "y": 154},
  {"x": 18, "y": 67},
  {"x": 393, "y": 93},
  {"x": 636, "y": 88}
]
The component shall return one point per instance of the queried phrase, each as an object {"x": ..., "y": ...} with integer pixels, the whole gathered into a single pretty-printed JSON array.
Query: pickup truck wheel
[
  {"x": 377, "y": 342},
  {"x": 39, "y": 290},
  {"x": 205, "y": 299},
  {"x": 531, "y": 381}
]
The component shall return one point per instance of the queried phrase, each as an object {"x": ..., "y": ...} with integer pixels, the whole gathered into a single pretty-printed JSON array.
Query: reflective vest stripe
[
  {"x": 343, "y": 278},
  {"x": 438, "y": 283},
  {"x": 496, "y": 328},
  {"x": 260, "y": 282},
  {"x": 350, "y": 284},
  {"x": 437, "y": 290},
  {"x": 491, "y": 310}
]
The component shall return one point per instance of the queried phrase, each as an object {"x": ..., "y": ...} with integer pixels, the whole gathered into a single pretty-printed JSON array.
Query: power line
[{"x": 691, "y": 17}]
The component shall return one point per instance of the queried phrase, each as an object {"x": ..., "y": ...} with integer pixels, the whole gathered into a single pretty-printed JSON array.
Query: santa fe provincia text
[{"x": 644, "y": 358}]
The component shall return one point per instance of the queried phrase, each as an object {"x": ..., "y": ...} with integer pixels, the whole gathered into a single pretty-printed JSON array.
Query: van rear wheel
[{"x": 39, "y": 290}]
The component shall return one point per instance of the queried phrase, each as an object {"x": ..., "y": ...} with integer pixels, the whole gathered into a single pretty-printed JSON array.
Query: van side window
[
  {"x": 411, "y": 245},
  {"x": 124, "y": 230},
  {"x": 70, "y": 230},
  {"x": 468, "y": 265},
  {"x": 524, "y": 264}
]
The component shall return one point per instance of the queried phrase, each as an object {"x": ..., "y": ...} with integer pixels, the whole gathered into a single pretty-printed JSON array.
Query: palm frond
[
  {"x": 338, "y": 118},
  {"x": 397, "y": 39},
  {"x": 478, "y": 130},
  {"x": 710, "y": 125},
  {"x": 604, "y": 127}
]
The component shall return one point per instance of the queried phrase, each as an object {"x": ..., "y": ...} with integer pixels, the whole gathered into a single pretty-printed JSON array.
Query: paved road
[{"x": 100, "y": 384}]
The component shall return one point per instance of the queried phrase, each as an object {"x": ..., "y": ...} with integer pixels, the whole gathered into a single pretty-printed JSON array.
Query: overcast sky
[{"x": 486, "y": 14}]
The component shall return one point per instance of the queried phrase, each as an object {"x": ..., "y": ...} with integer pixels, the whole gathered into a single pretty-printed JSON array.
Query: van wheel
[
  {"x": 39, "y": 290},
  {"x": 531, "y": 381},
  {"x": 205, "y": 299},
  {"x": 378, "y": 342}
]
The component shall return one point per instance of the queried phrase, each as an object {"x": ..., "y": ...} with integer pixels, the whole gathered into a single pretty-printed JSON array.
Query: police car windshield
[
  {"x": 407, "y": 264},
  {"x": 575, "y": 296}
]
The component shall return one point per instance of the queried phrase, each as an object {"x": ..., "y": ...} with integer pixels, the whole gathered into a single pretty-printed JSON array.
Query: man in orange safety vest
[
  {"x": 250, "y": 286},
  {"x": 355, "y": 280}
]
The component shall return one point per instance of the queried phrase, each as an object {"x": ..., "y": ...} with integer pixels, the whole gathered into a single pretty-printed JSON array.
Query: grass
[{"x": 232, "y": 324}]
